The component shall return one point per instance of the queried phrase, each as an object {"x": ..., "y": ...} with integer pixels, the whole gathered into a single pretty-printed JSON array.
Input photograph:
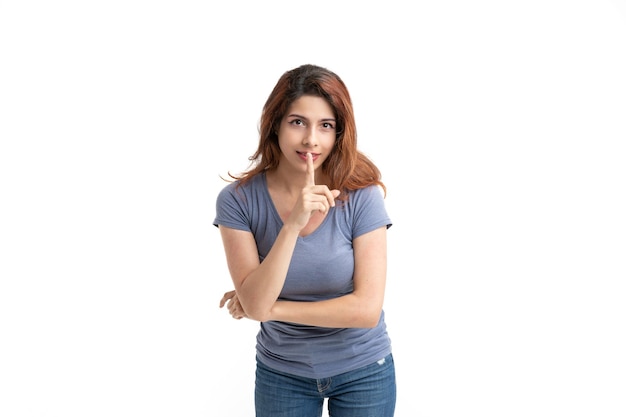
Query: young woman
[{"x": 304, "y": 232}]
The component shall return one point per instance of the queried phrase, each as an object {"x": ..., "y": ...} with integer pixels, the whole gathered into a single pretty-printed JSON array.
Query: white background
[{"x": 499, "y": 128}]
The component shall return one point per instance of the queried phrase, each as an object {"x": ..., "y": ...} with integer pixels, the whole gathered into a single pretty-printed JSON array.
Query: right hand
[{"x": 312, "y": 198}]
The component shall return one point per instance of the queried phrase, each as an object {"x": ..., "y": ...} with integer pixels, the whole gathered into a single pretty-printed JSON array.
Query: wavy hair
[{"x": 346, "y": 166}]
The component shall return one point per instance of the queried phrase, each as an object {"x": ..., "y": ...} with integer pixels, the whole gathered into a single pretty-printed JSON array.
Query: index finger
[{"x": 310, "y": 169}]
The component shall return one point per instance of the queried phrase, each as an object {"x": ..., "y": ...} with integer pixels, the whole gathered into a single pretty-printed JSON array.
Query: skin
[{"x": 297, "y": 187}]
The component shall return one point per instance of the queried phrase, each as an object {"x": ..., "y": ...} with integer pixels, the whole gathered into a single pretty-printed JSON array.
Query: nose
[{"x": 310, "y": 138}]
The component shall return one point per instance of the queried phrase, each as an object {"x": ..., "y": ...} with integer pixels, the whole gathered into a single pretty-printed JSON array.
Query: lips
[{"x": 303, "y": 155}]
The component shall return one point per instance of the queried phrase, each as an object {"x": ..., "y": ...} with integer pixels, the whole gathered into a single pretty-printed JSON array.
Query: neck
[
  {"x": 286, "y": 182},
  {"x": 292, "y": 182}
]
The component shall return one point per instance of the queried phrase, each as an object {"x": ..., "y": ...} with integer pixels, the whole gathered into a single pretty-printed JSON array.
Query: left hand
[{"x": 235, "y": 309}]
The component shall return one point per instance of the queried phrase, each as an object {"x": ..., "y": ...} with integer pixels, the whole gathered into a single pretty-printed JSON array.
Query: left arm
[{"x": 363, "y": 306}]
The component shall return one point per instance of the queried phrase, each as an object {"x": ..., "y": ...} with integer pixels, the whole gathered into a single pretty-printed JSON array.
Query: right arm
[{"x": 258, "y": 285}]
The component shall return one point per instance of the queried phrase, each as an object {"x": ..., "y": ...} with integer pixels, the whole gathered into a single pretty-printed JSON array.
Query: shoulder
[
  {"x": 238, "y": 202},
  {"x": 366, "y": 206},
  {"x": 366, "y": 194},
  {"x": 239, "y": 190}
]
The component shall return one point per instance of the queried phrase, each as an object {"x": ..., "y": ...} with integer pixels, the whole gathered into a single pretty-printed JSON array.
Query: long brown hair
[{"x": 346, "y": 166}]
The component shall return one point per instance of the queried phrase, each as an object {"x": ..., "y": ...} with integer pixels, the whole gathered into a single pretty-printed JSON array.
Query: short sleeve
[
  {"x": 231, "y": 210},
  {"x": 369, "y": 211}
]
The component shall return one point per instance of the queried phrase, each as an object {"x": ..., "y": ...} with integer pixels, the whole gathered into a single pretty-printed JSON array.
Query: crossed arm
[{"x": 258, "y": 285}]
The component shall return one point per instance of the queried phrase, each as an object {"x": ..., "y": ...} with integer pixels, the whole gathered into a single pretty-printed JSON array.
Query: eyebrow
[{"x": 330, "y": 119}]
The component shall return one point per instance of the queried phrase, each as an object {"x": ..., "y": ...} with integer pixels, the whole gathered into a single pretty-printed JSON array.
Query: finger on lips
[
  {"x": 311, "y": 178},
  {"x": 310, "y": 168}
]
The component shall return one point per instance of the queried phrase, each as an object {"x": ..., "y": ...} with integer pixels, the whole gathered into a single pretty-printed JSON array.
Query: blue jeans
[{"x": 366, "y": 392}]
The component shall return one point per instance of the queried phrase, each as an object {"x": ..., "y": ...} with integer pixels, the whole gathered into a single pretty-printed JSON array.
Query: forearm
[
  {"x": 347, "y": 311},
  {"x": 260, "y": 289}
]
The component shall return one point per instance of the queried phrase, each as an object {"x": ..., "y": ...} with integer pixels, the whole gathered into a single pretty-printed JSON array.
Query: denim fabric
[{"x": 369, "y": 391}]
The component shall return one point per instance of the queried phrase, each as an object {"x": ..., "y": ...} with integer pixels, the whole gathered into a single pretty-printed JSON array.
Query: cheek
[
  {"x": 331, "y": 149},
  {"x": 331, "y": 141},
  {"x": 286, "y": 141}
]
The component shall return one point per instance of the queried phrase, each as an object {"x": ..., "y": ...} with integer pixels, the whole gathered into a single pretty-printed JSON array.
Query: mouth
[{"x": 302, "y": 155}]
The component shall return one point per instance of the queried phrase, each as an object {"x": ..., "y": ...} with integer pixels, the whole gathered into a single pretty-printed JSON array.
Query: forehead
[{"x": 311, "y": 107}]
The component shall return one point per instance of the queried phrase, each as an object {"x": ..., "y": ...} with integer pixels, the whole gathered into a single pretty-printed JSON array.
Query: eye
[
  {"x": 297, "y": 122},
  {"x": 328, "y": 125}
]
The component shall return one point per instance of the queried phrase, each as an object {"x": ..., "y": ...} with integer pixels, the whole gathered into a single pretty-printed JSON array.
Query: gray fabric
[{"x": 321, "y": 267}]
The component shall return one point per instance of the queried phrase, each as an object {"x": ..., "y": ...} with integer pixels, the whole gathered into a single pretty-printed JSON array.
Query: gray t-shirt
[{"x": 322, "y": 267}]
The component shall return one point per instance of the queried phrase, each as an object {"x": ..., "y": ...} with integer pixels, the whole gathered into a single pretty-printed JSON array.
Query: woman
[{"x": 304, "y": 232}]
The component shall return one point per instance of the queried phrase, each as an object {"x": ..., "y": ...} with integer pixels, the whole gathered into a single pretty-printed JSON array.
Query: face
[{"x": 308, "y": 126}]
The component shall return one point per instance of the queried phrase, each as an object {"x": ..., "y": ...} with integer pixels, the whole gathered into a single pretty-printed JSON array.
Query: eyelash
[{"x": 327, "y": 125}]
